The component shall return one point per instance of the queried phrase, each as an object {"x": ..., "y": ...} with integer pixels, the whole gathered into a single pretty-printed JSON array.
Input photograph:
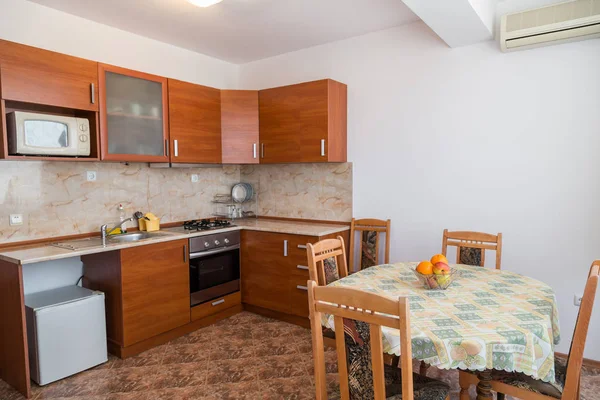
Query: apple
[
  {"x": 432, "y": 282},
  {"x": 443, "y": 280},
  {"x": 441, "y": 268}
]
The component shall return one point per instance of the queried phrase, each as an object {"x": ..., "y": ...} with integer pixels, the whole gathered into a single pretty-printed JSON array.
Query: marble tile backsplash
[
  {"x": 56, "y": 199},
  {"x": 309, "y": 191}
]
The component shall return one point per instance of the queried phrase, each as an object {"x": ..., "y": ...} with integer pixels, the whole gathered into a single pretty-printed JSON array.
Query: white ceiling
[{"x": 241, "y": 31}]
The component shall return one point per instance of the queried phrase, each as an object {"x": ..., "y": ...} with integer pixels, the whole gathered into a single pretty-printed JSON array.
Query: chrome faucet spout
[{"x": 104, "y": 231}]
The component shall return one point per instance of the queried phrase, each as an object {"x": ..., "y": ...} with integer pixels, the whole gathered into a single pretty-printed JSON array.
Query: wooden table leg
[{"x": 484, "y": 388}]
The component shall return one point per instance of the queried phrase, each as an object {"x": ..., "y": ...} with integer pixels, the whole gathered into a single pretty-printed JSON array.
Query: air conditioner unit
[{"x": 559, "y": 23}]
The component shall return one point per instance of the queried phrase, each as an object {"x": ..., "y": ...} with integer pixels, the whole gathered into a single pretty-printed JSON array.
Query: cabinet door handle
[
  {"x": 93, "y": 92},
  {"x": 302, "y": 267},
  {"x": 285, "y": 248},
  {"x": 216, "y": 303},
  {"x": 167, "y": 147},
  {"x": 176, "y": 148},
  {"x": 262, "y": 150},
  {"x": 254, "y": 150},
  {"x": 302, "y": 287},
  {"x": 185, "y": 251},
  {"x": 302, "y": 246},
  {"x": 322, "y": 147}
]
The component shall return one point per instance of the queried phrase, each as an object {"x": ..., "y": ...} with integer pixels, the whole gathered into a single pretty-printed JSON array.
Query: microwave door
[{"x": 46, "y": 134}]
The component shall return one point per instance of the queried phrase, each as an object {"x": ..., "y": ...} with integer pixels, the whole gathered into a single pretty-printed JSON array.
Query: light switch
[{"x": 16, "y": 219}]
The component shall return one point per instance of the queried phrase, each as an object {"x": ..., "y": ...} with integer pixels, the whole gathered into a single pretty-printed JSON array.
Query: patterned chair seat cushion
[
  {"x": 526, "y": 382},
  {"x": 424, "y": 388}
]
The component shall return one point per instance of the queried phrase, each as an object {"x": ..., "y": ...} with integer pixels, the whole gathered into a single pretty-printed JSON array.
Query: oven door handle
[{"x": 202, "y": 254}]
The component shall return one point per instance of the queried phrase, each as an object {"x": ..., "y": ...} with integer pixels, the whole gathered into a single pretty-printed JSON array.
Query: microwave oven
[{"x": 47, "y": 135}]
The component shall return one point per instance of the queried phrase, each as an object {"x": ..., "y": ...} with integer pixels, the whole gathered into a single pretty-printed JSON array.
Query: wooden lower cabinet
[
  {"x": 146, "y": 288},
  {"x": 275, "y": 272}
]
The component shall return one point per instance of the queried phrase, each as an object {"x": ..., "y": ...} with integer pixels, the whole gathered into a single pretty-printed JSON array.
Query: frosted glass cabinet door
[{"x": 133, "y": 115}]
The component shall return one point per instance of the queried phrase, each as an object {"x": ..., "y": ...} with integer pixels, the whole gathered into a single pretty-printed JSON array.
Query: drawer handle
[
  {"x": 302, "y": 287},
  {"x": 93, "y": 93},
  {"x": 216, "y": 303},
  {"x": 285, "y": 248},
  {"x": 322, "y": 147},
  {"x": 302, "y": 246},
  {"x": 303, "y": 267}
]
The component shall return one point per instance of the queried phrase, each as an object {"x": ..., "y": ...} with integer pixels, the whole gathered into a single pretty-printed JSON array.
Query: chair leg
[
  {"x": 423, "y": 368},
  {"x": 464, "y": 386}
]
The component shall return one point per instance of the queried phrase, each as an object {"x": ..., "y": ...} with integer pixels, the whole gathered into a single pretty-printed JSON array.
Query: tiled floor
[{"x": 244, "y": 357}]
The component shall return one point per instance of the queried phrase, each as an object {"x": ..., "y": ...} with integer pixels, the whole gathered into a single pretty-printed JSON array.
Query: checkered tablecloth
[{"x": 486, "y": 319}]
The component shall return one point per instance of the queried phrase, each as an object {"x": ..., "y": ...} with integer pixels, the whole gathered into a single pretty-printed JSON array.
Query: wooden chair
[
  {"x": 327, "y": 260},
  {"x": 370, "y": 230},
  {"x": 355, "y": 306},
  {"x": 471, "y": 246},
  {"x": 568, "y": 376}
]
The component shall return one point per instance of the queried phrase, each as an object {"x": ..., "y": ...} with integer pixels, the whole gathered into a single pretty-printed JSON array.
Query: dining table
[{"x": 487, "y": 319}]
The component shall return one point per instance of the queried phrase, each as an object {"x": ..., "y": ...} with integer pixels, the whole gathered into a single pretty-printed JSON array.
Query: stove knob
[
  {"x": 226, "y": 241},
  {"x": 217, "y": 243},
  {"x": 206, "y": 244}
]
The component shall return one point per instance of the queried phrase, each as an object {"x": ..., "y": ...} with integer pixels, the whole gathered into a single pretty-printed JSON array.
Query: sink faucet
[{"x": 104, "y": 231}]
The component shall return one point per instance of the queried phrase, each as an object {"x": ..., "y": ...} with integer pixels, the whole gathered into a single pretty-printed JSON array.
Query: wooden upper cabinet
[
  {"x": 155, "y": 289},
  {"x": 239, "y": 126},
  {"x": 33, "y": 75},
  {"x": 306, "y": 122},
  {"x": 195, "y": 122},
  {"x": 134, "y": 117}
]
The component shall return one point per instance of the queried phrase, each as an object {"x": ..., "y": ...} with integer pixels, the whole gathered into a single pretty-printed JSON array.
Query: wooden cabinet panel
[
  {"x": 299, "y": 296},
  {"x": 33, "y": 75},
  {"x": 303, "y": 123},
  {"x": 216, "y": 306},
  {"x": 195, "y": 122},
  {"x": 134, "y": 117},
  {"x": 155, "y": 289},
  {"x": 239, "y": 126},
  {"x": 264, "y": 274},
  {"x": 269, "y": 278}
]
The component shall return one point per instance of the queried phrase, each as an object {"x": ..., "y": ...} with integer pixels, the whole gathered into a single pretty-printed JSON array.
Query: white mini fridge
[{"x": 66, "y": 332}]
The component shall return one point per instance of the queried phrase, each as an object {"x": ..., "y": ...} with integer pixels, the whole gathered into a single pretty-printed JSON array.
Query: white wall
[
  {"x": 35, "y": 25},
  {"x": 471, "y": 138}
]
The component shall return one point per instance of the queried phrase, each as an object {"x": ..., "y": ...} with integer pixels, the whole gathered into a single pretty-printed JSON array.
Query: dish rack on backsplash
[{"x": 225, "y": 207}]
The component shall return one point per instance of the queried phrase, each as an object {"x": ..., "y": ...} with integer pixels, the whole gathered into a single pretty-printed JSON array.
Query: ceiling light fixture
[{"x": 204, "y": 3}]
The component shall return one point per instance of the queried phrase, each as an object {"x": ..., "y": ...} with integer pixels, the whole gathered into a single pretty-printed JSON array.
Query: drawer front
[
  {"x": 298, "y": 260},
  {"x": 298, "y": 296},
  {"x": 216, "y": 306}
]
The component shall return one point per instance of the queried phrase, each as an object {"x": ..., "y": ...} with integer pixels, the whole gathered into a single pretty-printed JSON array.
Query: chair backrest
[
  {"x": 368, "y": 250},
  {"x": 575, "y": 359},
  {"x": 370, "y": 308},
  {"x": 471, "y": 246},
  {"x": 327, "y": 260}
]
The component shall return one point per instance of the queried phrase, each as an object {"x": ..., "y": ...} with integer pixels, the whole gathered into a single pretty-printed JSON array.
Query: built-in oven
[{"x": 214, "y": 266}]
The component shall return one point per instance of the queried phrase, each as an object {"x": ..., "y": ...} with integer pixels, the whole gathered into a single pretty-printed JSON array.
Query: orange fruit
[
  {"x": 425, "y": 268},
  {"x": 439, "y": 258}
]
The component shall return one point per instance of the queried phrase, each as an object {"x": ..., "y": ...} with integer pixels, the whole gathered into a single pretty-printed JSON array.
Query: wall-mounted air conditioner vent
[{"x": 564, "y": 22}]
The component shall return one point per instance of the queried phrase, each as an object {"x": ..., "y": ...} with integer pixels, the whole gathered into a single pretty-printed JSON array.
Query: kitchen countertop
[{"x": 35, "y": 254}]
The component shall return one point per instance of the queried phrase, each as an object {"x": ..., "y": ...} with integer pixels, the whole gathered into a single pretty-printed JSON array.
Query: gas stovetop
[{"x": 203, "y": 225}]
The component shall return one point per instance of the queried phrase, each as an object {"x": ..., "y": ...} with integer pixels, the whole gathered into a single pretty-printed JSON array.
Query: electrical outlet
[
  {"x": 577, "y": 300},
  {"x": 16, "y": 219},
  {"x": 195, "y": 178},
  {"x": 91, "y": 176}
]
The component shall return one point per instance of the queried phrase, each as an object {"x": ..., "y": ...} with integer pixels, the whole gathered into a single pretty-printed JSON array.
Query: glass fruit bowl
[{"x": 437, "y": 282}]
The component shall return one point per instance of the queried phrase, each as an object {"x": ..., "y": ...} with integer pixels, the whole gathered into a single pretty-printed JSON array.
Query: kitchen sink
[
  {"x": 81, "y": 244},
  {"x": 134, "y": 237}
]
